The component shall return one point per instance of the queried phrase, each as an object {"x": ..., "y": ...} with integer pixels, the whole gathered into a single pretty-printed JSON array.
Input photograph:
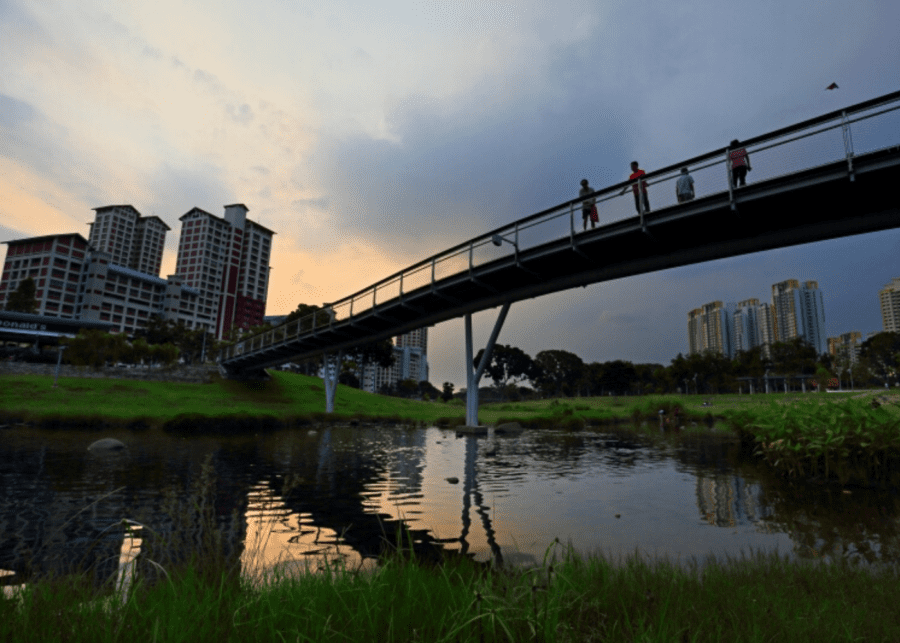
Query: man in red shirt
[
  {"x": 636, "y": 173},
  {"x": 740, "y": 163}
]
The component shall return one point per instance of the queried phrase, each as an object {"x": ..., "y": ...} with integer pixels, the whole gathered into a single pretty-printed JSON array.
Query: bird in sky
[{"x": 832, "y": 86}]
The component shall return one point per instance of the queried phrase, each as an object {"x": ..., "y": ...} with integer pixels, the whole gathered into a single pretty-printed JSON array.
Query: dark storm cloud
[{"x": 449, "y": 178}]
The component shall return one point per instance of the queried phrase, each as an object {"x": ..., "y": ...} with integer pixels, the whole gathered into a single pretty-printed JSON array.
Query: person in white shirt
[{"x": 684, "y": 188}]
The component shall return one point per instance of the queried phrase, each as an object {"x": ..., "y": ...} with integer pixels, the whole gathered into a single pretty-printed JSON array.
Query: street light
[
  {"x": 498, "y": 240},
  {"x": 58, "y": 362}
]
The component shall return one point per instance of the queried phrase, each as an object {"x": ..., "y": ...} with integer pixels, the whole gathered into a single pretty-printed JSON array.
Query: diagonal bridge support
[{"x": 473, "y": 373}]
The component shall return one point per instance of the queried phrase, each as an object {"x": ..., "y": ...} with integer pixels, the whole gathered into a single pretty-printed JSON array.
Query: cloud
[
  {"x": 15, "y": 113},
  {"x": 242, "y": 114}
]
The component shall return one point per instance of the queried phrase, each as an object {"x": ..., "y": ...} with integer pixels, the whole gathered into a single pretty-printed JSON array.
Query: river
[{"x": 285, "y": 499}]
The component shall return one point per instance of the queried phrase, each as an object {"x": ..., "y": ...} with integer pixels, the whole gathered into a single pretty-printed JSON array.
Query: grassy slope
[{"x": 289, "y": 394}]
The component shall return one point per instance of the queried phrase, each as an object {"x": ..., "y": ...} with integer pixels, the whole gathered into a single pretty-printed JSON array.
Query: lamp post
[{"x": 58, "y": 363}]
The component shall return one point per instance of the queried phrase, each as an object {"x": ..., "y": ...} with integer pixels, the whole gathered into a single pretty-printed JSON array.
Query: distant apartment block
[
  {"x": 221, "y": 280},
  {"x": 73, "y": 281},
  {"x": 753, "y": 326},
  {"x": 799, "y": 312},
  {"x": 410, "y": 362},
  {"x": 796, "y": 311},
  {"x": 889, "y": 298},
  {"x": 710, "y": 328},
  {"x": 846, "y": 346}
]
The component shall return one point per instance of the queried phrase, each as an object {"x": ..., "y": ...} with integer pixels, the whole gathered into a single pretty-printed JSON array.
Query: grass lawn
[{"x": 290, "y": 395}]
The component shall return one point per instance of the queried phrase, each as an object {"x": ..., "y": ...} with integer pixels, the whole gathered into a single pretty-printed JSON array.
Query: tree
[
  {"x": 447, "y": 393},
  {"x": 508, "y": 365},
  {"x": 427, "y": 391},
  {"x": 380, "y": 353},
  {"x": 879, "y": 354},
  {"x": 617, "y": 376},
  {"x": 306, "y": 312},
  {"x": 348, "y": 378},
  {"x": 407, "y": 388},
  {"x": 557, "y": 372},
  {"x": 794, "y": 357},
  {"x": 822, "y": 377},
  {"x": 22, "y": 300}
]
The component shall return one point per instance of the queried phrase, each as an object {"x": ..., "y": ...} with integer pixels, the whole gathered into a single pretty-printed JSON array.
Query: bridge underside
[{"x": 817, "y": 204}]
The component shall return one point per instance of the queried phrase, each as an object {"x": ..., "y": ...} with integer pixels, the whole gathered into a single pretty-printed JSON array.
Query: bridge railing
[{"x": 842, "y": 134}]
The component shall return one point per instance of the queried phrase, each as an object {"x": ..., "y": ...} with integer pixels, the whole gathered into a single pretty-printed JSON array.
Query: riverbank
[
  {"x": 289, "y": 399},
  {"x": 569, "y": 598}
]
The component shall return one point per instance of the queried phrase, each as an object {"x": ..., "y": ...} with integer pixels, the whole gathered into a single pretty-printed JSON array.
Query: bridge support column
[
  {"x": 330, "y": 373},
  {"x": 473, "y": 372}
]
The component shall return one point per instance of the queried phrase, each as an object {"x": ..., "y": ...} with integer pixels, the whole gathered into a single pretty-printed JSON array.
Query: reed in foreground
[{"x": 761, "y": 597}]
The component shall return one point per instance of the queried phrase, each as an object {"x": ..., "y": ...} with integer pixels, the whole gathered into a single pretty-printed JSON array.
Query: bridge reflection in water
[{"x": 346, "y": 494}]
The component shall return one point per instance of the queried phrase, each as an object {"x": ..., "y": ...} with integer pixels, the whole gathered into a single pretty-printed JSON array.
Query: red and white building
[{"x": 227, "y": 261}]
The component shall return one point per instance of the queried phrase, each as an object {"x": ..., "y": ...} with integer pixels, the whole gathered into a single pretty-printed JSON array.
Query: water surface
[{"x": 290, "y": 498}]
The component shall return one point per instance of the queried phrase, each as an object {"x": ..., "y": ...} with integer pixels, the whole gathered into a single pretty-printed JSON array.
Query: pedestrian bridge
[{"x": 823, "y": 178}]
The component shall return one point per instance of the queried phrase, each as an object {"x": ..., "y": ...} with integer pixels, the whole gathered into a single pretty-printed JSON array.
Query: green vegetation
[
  {"x": 292, "y": 398},
  {"x": 573, "y": 598},
  {"x": 855, "y": 440}
]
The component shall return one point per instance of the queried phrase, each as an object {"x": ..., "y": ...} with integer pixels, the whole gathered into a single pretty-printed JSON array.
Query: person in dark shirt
[{"x": 588, "y": 207}]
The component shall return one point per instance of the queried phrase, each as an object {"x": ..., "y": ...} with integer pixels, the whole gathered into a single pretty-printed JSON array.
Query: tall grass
[
  {"x": 854, "y": 441},
  {"x": 760, "y": 597}
]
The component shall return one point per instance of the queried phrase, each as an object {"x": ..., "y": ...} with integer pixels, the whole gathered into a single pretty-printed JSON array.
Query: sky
[{"x": 369, "y": 136}]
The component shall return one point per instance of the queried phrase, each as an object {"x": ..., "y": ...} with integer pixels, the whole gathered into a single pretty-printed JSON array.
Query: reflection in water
[{"x": 289, "y": 500}]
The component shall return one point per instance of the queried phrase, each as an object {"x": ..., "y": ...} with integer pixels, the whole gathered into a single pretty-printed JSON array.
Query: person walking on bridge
[
  {"x": 740, "y": 163},
  {"x": 588, "y": 206},
  {"x": 636, "y": 174},
  {"x": 684, "y": 187}
]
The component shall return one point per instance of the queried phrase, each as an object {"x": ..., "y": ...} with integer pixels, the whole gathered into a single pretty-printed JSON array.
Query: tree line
[
  {"x": 550, "y": 373},
  {"x": 559, "y": 373}
]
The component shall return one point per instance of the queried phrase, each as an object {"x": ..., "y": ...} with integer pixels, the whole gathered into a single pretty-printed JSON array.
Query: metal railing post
[
  {"x": 728, "y": 174},
  {"x": 471, "y": 257},
  {"x": 848, "y": 143},
  {"x": 572, "y": 224},
  {"x": 433, "y": 260},
  {"x": 517, "y": 243},
  {"x": 374, "y": 291}
]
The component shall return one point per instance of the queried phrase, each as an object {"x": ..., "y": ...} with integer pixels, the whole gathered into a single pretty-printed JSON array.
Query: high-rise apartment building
[
  {"x": 799, "y": 312},
  {"x": 56, "y": 264},
  {"x": 410, "y": 363},
  {"x": 710, "y": 328},
  {"x": 846, "y": 346},
  {"x": 889, "y": 298},
  {"x": 753, "y": 326},
  {"x": 746, "y": 325},
  {"x": 73, "y": 281},
  {"x": 131, "y": 240},
  {"x": 227, "y": 261},
  {"x": 221, "y": 281}
]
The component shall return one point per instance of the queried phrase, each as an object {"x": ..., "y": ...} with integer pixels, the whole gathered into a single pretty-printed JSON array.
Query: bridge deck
[{"x": 811, "y": 205}]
